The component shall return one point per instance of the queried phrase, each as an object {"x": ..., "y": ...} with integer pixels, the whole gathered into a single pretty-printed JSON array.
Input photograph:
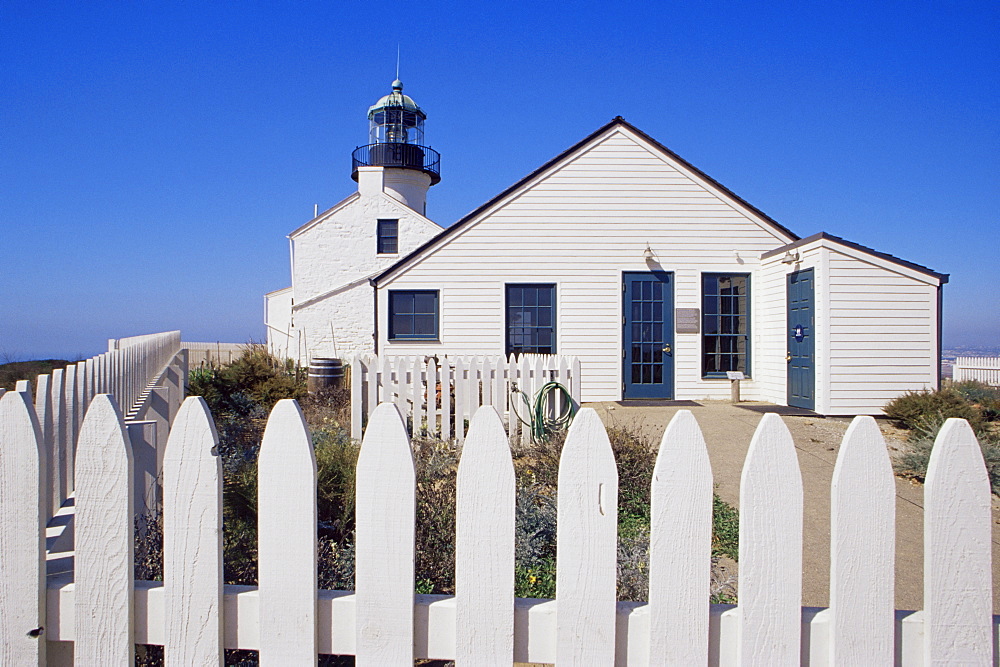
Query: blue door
[
  {"x": 801, "y": 340},
  {"x": 648, "y": 338}
]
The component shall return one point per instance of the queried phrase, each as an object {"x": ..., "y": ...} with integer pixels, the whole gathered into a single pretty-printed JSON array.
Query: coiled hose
[{"x": 538, "y": 424}]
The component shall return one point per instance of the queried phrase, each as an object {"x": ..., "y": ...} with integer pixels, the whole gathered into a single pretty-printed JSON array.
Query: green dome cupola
[{"x": 396, "y": 137}]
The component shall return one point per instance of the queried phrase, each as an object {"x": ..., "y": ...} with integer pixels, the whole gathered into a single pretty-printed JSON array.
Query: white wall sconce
[
  {"x": 790, "y": 257},
  {"x": 648, "y": 254}
]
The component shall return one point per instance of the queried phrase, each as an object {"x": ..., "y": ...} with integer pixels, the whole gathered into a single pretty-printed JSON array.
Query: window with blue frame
[
  {"x": 531, "y": 318},
  {"x": 413, "y": 314},
  {"x": 725, "y": 317},
  {"x": 387, "y": 235}
]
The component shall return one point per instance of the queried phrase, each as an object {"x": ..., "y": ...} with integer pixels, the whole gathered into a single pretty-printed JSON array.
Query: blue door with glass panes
[
  {"x": 801, "y": 340},
  {"x": 648, "y": 337}
]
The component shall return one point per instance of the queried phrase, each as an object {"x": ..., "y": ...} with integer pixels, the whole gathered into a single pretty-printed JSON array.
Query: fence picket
[
  {"x": 586, "y": 544},
  {"x": 372, "y": 370},
  {"x": 286, "y": 538},
  {"x": 419, "y": 395},
  {"x": 43, "y": 412},
  {"x": 432, "y": 398},
  {"x": 22, "y": 534},
  {"x": 192, "y": 538},
  {"x": 445, "y": 399},
  {"x": 862, "y": 548},
  {"x": 357, "y": 403},
  {"x": 461, "y": 396},
  {"x": 385, "y": 537},
  {"x": 388, "y": 388},
  {"x": 499, "y": 365},
  {"x": 104, "y": 543},
  {"x": 484, "y": 545},
  {"x": 59, "y": 460},
  {"x": 957, "y": 551},
  {"x": 524, "y": 403},
  {"x": 770, "y": 548},
  {"x": 680, "y": 546},
  {"x": 69, "y": 421}
]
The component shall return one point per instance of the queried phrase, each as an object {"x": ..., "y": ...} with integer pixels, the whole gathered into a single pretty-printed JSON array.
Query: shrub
[
  {"x": 916, "y": 407},
  {"x": 912, "y": 461}
]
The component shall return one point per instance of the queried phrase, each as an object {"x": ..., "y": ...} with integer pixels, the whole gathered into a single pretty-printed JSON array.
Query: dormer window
[{"x": 387, "y": 234}]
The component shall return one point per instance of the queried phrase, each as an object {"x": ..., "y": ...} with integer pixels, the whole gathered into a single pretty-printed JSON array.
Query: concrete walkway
[{"x": 728, "y": 430}]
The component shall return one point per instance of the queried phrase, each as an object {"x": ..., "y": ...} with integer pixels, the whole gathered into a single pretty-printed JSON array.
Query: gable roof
[
  {"x": 823, "y": 236},
  {"x": 615, "y": 122}
]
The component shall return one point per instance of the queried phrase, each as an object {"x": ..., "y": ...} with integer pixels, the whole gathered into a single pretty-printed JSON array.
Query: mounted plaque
[{"x": 687, "y": 320}]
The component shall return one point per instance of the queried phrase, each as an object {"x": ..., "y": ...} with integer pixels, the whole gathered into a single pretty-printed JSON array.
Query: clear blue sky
[{"x": 154, "y": 155}]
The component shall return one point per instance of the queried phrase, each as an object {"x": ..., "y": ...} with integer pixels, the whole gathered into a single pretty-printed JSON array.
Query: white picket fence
[
  {"x": 417, "y": 385},
  {"x": 97, "y": 613},
  {"x": 125, "y": 370},
  {"x": 983, "y": 369}
]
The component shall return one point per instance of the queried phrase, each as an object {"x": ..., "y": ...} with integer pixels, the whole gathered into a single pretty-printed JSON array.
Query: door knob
[
  {"x": 666, "y": 348},
  {"x": 788, "y": 356}
]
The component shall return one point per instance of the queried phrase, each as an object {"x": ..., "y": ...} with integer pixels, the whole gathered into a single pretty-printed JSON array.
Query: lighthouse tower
[{"x": 396, "y": 136}]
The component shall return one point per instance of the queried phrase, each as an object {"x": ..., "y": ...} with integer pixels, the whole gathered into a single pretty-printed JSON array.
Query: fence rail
[
  {"x": 440, "y": 395},
  {"x": 194, "y": 616},
  {"x": 983, "y": 369}
]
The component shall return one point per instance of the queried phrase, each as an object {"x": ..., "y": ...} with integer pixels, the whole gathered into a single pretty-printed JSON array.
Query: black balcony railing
[{"x": 406, "y": 156}]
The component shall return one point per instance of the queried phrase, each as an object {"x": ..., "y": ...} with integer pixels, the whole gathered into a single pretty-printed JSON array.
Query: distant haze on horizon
[{"x": 155, "y": 157}]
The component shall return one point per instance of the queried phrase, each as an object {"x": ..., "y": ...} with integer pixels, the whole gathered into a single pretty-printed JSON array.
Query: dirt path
[{"x": 728, "y": 430}]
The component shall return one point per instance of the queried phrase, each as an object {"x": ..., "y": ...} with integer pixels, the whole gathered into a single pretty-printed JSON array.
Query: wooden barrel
[{"x": 325, "y": 373}]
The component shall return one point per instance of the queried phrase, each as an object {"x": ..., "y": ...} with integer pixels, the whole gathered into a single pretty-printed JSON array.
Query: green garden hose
[{"x": 538, "y": 424}]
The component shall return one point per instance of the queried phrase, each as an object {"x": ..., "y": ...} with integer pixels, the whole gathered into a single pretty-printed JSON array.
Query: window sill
[{"x": 413, "y": 340}]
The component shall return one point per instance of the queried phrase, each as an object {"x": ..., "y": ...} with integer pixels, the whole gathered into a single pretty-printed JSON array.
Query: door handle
[
  {"x": 667, "y": 349},
  {"x": 788, "y": 357}
]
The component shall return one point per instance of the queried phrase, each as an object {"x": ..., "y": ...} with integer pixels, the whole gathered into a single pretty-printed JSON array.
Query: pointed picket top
[
  {"x": 587, "y": 542},
  {"x": 385, "y": 515},
  {"x": 22, "y": 534},
  {"x": 862, "y": 548},
  {"x": 286, "y": 538},
  {"x": 770, "y": 547},
  {"x": 192, "y": 538},
  {"x": 103, "y": 539},
  {"x": 484, "y": 545},
  {"x": 957, "y": 551},
  {"x": 680, "y": 545}
]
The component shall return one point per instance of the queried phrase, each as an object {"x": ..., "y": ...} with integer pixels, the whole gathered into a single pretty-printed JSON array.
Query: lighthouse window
[
  {"x": 413, "y": 315},
  {"x": 387, "y": 234}
]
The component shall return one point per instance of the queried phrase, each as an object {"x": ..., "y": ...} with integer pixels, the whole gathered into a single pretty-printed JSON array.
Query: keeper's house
[{"x": 660, "y": 280}]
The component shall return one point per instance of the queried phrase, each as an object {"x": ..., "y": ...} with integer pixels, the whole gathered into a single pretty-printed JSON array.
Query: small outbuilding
[{"x": 662, "y": 281}]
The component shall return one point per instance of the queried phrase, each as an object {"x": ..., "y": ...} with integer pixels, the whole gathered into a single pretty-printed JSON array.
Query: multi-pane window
[
  {"x": 725, "y": 336},
  {"x": 531, "y": 319},
  {"x": 413, "y": 315},
  {"x": 387, "y": 233}
]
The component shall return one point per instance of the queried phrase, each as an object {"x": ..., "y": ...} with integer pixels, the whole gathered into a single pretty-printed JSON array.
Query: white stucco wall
[{"x": 333, "y": 256}]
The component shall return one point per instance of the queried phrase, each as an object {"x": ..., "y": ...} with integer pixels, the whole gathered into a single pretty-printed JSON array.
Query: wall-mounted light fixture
[
  {"x": 648, "y": 254},
  {"x": 790, "y": 257}
]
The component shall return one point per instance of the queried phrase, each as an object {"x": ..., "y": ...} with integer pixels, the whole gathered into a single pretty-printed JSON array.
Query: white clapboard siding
[
  {"x": 957, "y": 551},
  {"x": 22, "y": 536},
  {"x": 586, "y": 544},
  {"x": 385, "y": 517},
  {"x": 103, "y": 539},
  {"x": 680, "y": 546},
  {"x": 484, "y": 545},
  {"x": 192, "y": 538},
  {"x": 770, "y": 548},
  {"x": 862, "y": 548},
  {"x": 286, "y": 539}
]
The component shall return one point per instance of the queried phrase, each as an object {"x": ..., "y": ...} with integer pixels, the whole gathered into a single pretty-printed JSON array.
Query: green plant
[{"x": 915, "y": 407}]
